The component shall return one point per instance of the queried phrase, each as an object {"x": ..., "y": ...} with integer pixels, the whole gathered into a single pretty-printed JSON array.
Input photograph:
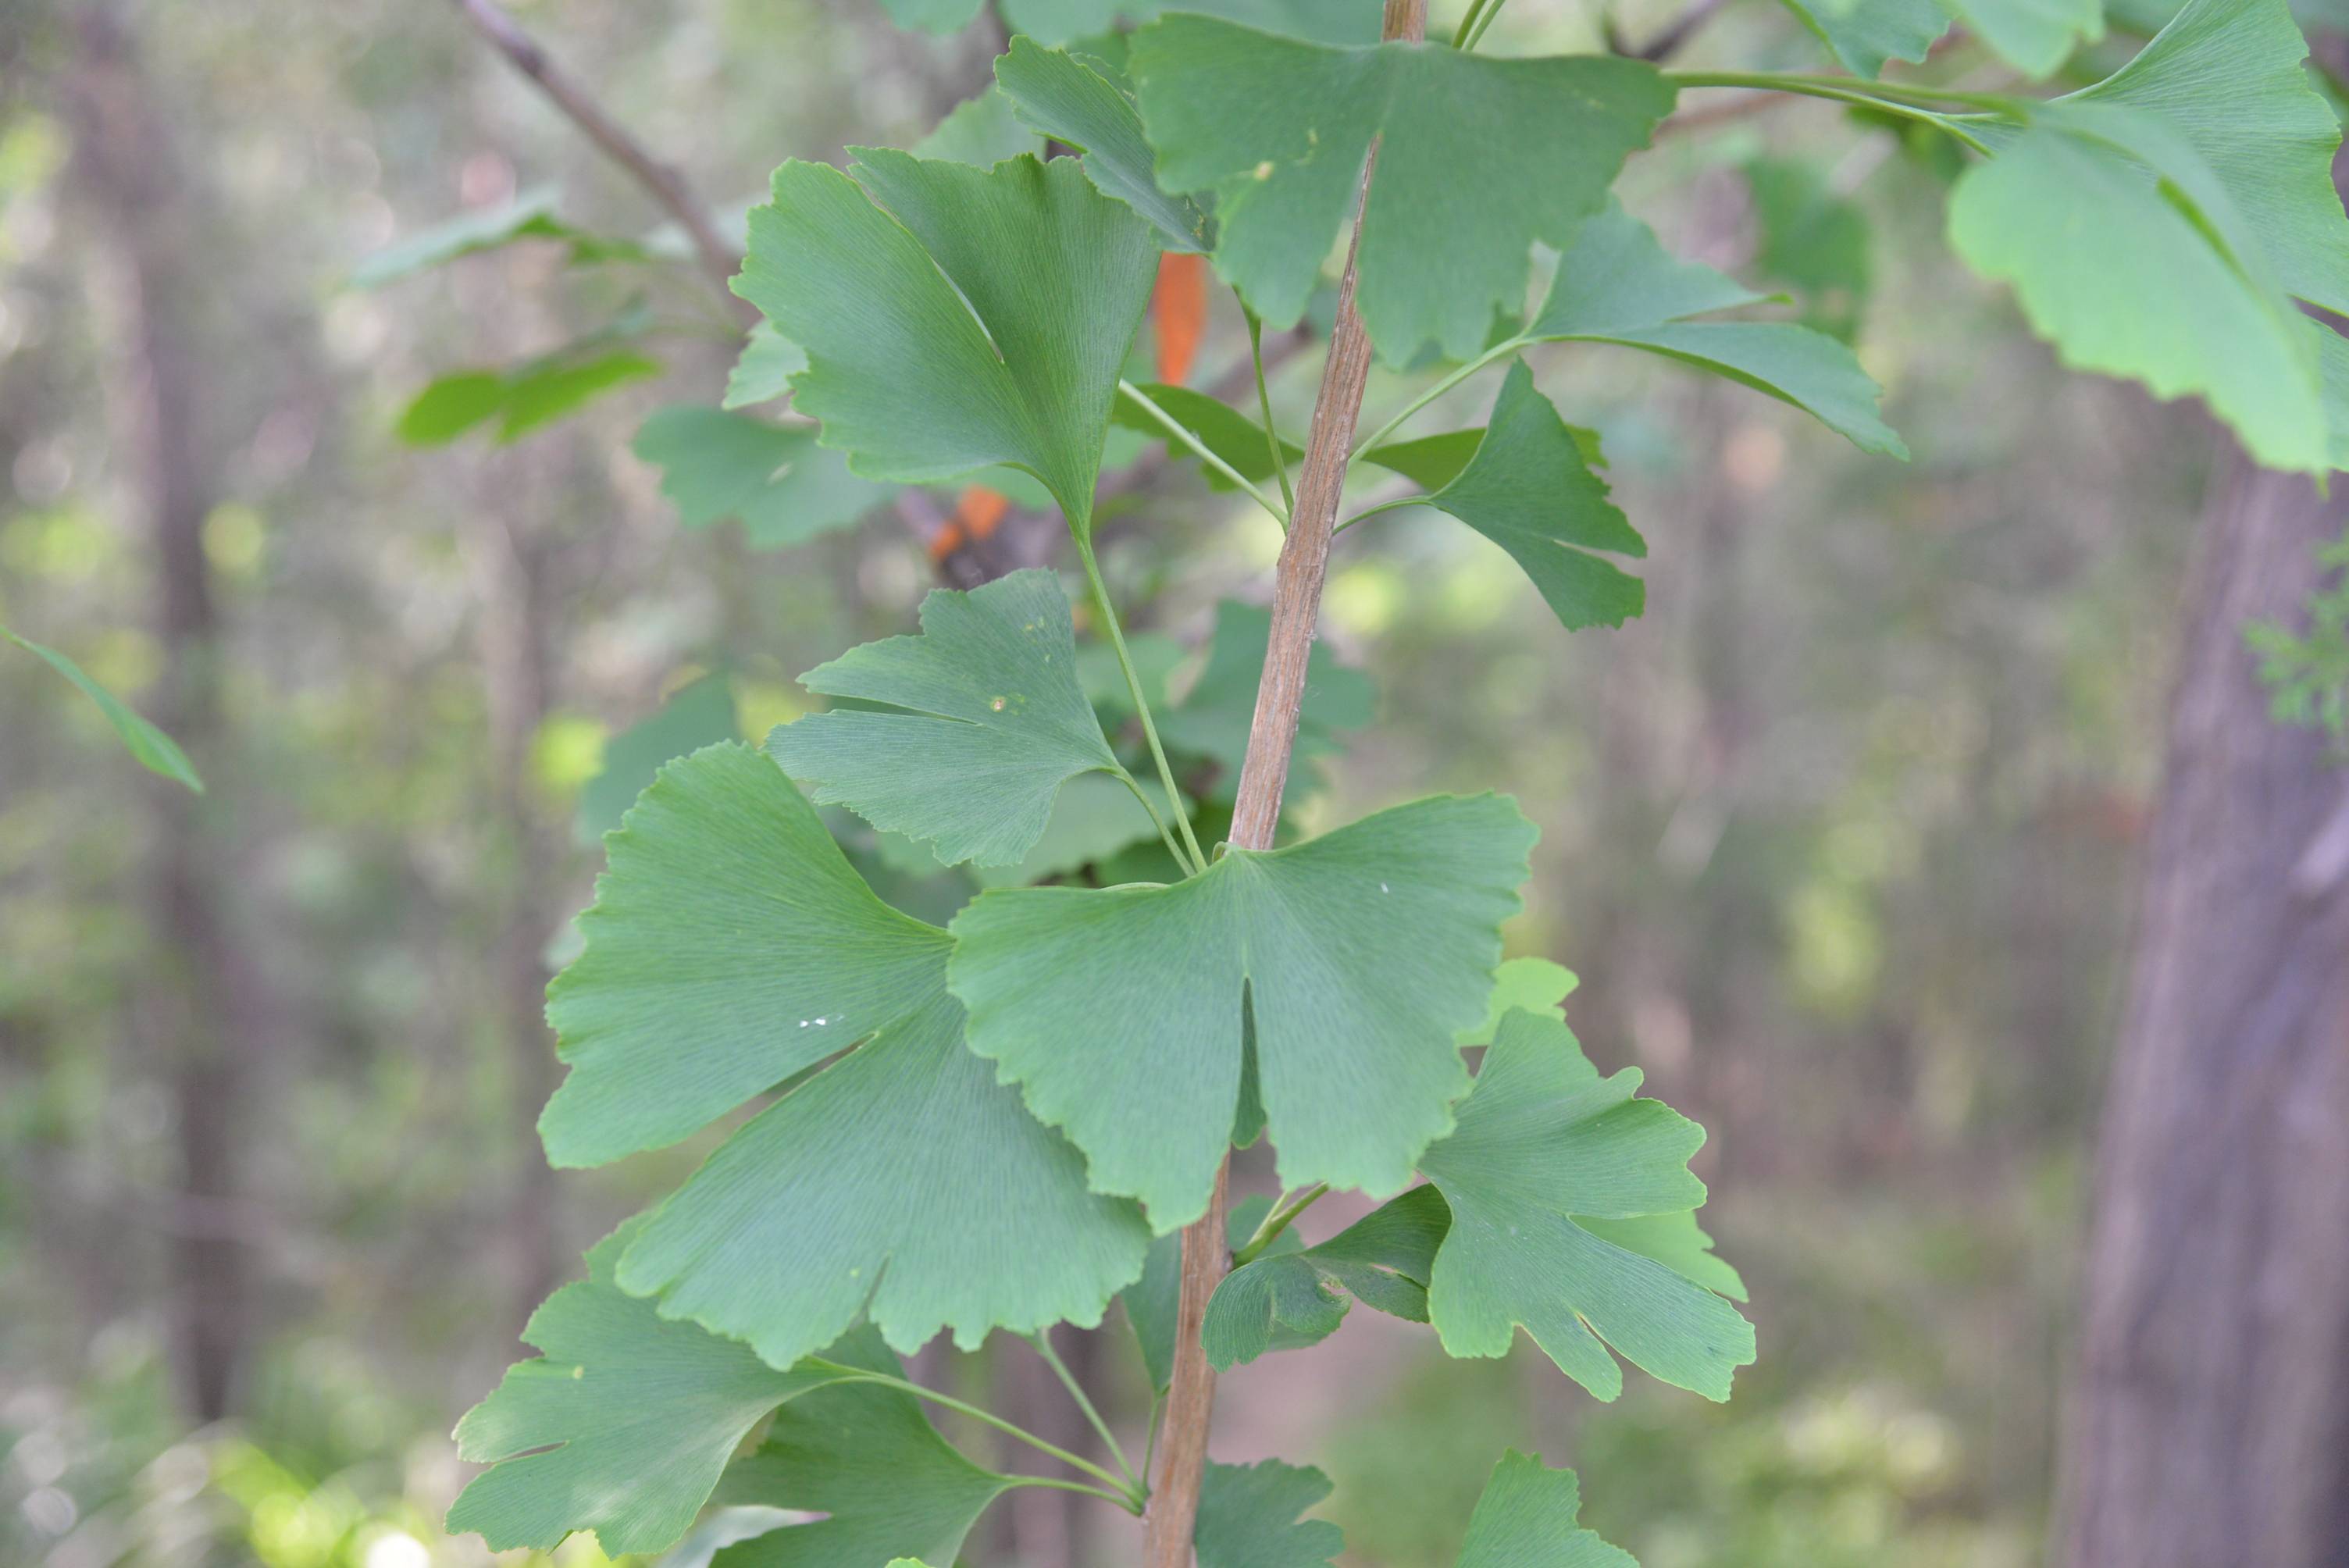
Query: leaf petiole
[
  {"x": 1131, "y": 1504},
  {"x": 1282, "y": 1216},
  {"x": 1498, "y": 351},
  {"x": 1042, "y": 1340},
  {"x": 1194, "y": 861},
  {"x": 1836, "y": 90},
  {"x": 1199, "y": 448},
  {"x": 863, "y": 1375},
  {"x": 1264, "y": 405}
]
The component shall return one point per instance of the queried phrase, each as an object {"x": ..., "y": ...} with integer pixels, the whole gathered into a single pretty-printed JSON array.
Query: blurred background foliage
[{"x": 1840, "y": 835}]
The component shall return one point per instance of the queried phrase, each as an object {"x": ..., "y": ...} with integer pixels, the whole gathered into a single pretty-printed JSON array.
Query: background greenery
[{"x": 1840, "y": 834}]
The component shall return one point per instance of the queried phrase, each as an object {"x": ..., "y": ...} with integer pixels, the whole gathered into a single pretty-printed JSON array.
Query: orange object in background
[
  {"x": 1178, "y": 304},
  {"x": 976, "y": 512}
]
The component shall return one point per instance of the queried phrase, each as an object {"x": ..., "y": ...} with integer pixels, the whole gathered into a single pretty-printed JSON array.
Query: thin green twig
[
  {"x": 862, "y": 1374},
  {"x": 1484, "y": 24},
  {"x": 1042, "y": 1340},
  {"x": 1264, "y": 404},
  {"x": 1199, "y": 448},
  {"x": 1165, "y": 834},
  {"x": 1122, "y": 1500},
  {"x": 1197, "y": 861},
  {"x": 1282, "y": 1216},
  {"x": 1498, "y": 351},
  {"x": 1467, "y": 23},
  {"x": 1851, "y": 90}
]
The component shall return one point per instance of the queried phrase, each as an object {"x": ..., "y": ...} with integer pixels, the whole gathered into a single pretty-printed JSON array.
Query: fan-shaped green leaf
[
  {"x": 1360, "y": 953},
  {"x": 1528, "y": 1518},
  {"x": 973, "y": 317},
  {"x": 1862, "y": 34},
  {"x": 1383, "y": 1259},
  {"x": 985, "y": 721},
  {"x": 622, "y": 1427},
  {"x": 700, "y": 713},
  {"x": 1150, "y": 1301},
  {"x": 1479, "y": 157},
  {"x": 1248, "y": 1517},
  {"x": 147, "y": 745},
  {"x": 2034, "y": 37},
  {"x": 867, "y": 1458},
  {"x": 1064, "y": 98},
  {"x": 778, "y": 482},
  {"x": 1616, "y": 285},
  {"x": 764, "y": 369},
  {"x": 982, "y": 131},
  {"x": 1543, "y": 1139},
  {"x": 1675, "y": 1241},
  {"x": 1527, "y": 490}
]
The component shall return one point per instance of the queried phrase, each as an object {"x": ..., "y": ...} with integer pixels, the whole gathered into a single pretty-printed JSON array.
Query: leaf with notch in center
[
  {"x": 954, "y": 318},
  {"x": 1478, "y": 157},
  {"x": 985, "y": 721},
  {"x": 1359, "y": 953},
  {"x": 1541, "y": 1141},
  {"x": 731, "y": 949},
  {"x": 1248, "y": 1517},
  {"x": 1528, "y": 1517},
  {"x": 622, "y": 1426}
]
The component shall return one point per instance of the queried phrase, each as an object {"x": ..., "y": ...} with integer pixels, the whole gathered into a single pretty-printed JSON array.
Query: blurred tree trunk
[
  {"x": 198, "y": 1003},
  {"x": 2210, "y": 1422}
]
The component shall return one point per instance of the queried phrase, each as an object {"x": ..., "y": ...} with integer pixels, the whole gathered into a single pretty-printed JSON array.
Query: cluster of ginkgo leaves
[{"x": 1002, "y": 1122}]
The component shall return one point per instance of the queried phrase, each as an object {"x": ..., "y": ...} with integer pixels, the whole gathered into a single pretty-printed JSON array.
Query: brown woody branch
[
  {"x": 1272, "y": 736},
  {"x": 664, "y": 182}
]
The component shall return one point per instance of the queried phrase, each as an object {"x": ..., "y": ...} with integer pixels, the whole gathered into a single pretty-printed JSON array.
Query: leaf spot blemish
[
  {"x": 1382, "y": 887},
  {"x": 1264, "y": 170},
  {"x": 996, "y": 705}
]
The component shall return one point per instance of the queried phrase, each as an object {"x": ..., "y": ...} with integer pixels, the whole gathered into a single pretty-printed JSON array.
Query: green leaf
[
  {"x": 1094, "y": 818},
  {"x": 1248, "y": 1517},
  {"x": 982, "y": 131},
  {"x": 1212, "y": 719},
  {"x": 147, "y": 745},
  {"x": 1527, "y": 490},
  {"x": 1150, "y": 1301},
  {"x": 763, "y": 373},
  {"x": 1541, "y": 1140},
  {"x": 2036, "y": 36},
  {"x": 450, "y": 406},
  {"x": 1528, "y": 1518},
  {"x": 731, "y": 949},
  {"x": 1383, "y": 1259},
  {"x": 1478, "y": 157},
  {"x": 985, "y": 721},
  {"x": 622, "y": 1427},
  {"x": 1675, "y": 1241},
  {"x": 529, "y": 216},
  {"x": 1223, "y": 429},
  {"x": 981, "y": 319},
  {"x": 726, "y": 916},
  {"x": 1062, "y": 98},
  {"x": 1811, "y": 238},
  {"x": 1530, "y": 984},
  {"x": 1862, "y": 34},
  {"x": 781, "y": 487},
  {"x": 2110, "y": 268},
  {"x": 698, "y": 714},
  {"x": 539, "y": 396},
  {"x": 2227, "y": 76},
  {"x": 867, "y": 1458},
  {"x": 1360, "y": 953},
  {"x": 1616, "y": 285}
]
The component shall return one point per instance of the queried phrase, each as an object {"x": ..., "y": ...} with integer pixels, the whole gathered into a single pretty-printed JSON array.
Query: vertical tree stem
[{"x": 1272, "y": 736}]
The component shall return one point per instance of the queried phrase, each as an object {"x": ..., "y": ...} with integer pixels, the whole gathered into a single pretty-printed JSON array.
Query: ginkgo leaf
[
  {"x": 529, "y": 216},
  {"x": 1478, "y": 157},
  {"x": 973, "y": 317},
  {"x": 2227, "y": 77},
  {"x": 1212, "y": 719},
  {"x": 1248, "y": 1517},
  {"x": 867, "y": 1458},
  {"x": 1383, "y": 1259},
  {"x": 1862, "y": 34},
  {"x": 782, "y": 487},
  {"x": 1060, "y": 21},
  {"x": 2034, "y": 37},
  {"x": 1094, "y": 817},
  {"x": 984, "y": 721},
  {"x": 1527, "y": 984},
  {"x": 1223, "y": 429},
  {"x": 764, "y": 369},
  {"x": 1359, "y": 953},
  {"x": 1616, "y": 285},
  {"x": 982, "y": 131},
  {"x": 1675, "y": 1241},
  {"x": 1529, "y": 490},
  {"x": 1064, "y": 98},
  {"x": 1150, "y": 1301},
  {"x": 622, "y": 1427},
  {"x": 1541, "y": 1140},
  {"x": 697, "y": 714},
  {"x": 730, "y": 948},
  {"x": 147, "y": 745},
  {"x": 1528, "y": 1517}
]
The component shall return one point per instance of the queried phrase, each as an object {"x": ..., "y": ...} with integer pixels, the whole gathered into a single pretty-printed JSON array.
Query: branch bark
[
  {"x": 664, "y": 182},
  {"x": 1264, "y": 774}
]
